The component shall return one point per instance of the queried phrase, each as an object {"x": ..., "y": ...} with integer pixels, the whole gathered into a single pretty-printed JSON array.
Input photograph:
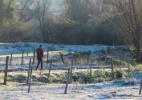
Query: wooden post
[
  {"x": 140, "y": 87},
  {"x": 34, "y": 57},
  {"x": 71, "y": 73},
  {"x": 6, "y": 70},
  {"x": 22, "y": 60},
  {"x": 47, "y": 56},
  {"x": 61, "y": 55},
  {"x": 91, "y": 71},
  {"x": 11, "y": 58},
  {"x": 30, "y": 79},
  {"x": 68, "y": 75},
  {"x": 112, "y": 69},
  {"x": 29, "y": 71},
  {"x": 87, "y": 59},
  {"x": 75, "y": 60},
  {"x": 50, "y": 69}
]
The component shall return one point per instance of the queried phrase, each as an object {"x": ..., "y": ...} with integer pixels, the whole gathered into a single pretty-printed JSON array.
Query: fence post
[
  {"x": 6, "y": 70},
  {"x": 75, "y": 60},
  {"x": 30, "y": 79},
  {"x": 29, "y": 71},
  {"x": 106, "y": 57},
  {"x": 91, "y": 71},
  {"x": 61, "y": 55},
  {"x": 87, "y": 59},
  {"x": 11, "y": 58},
  {"x": 112, "y": 69},
  {"x": 140, "y": 87},
  {"x": 22, "y": 60},
  {"x": 47, "y": 56},
  {"x": 34, "y": 57},
  {"x": 68, "y": 76},
  {"x": 50, "y": 69},
  {"x": 71, "y": 73}
]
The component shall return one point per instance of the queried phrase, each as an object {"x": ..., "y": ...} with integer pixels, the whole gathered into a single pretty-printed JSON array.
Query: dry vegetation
[{"x": 126, "y": 74}]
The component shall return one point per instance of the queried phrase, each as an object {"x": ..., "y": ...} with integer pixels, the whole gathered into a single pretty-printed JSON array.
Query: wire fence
[
  {"x": 70, "y": 63},
  {"x": 20, "y": 60}
]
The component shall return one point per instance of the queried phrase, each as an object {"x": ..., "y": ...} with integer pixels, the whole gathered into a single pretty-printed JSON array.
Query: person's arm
[{"x": 42, "y": 52}]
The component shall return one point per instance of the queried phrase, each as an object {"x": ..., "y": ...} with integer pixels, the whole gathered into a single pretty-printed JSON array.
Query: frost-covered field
[
  {"x": 113, "y": 90},
  {"x": 95, "y": 91},
  {"x": 20, "y": 46},
  {"x": 17, "y": 48}
]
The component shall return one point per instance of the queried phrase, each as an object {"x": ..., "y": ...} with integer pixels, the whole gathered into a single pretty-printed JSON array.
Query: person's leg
[
  {"x": 38, "y": 63},
  {"x": 41, "y": 64}
]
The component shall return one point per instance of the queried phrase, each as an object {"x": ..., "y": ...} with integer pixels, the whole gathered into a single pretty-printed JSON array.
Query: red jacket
[{"x": 39, "y": 52}]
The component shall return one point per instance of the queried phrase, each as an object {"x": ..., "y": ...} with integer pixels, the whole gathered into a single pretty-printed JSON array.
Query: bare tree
[
  {"x": 77, "y": 10},
  {"x": 43, "y": 17},
  {"x": 6, "y": 17},
  {"x": 127, "y": 17},
  {"x": 25, "y": 10},
  {"x": 1, "y": 12},
  {"x": 15, "y": 14}
]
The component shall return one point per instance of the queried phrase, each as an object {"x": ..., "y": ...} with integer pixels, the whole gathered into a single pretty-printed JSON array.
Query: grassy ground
[{"x": 31, "y": 54}]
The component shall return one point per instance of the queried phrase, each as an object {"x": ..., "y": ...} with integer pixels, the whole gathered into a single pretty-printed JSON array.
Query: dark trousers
[{"x": 40, "y": 61}]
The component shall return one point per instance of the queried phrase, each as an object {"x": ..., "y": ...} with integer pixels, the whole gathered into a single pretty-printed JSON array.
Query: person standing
[{"x": 40, "y": 54}]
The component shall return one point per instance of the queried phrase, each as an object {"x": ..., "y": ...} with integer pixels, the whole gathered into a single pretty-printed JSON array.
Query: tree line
[{"x": 78, "y": 22}]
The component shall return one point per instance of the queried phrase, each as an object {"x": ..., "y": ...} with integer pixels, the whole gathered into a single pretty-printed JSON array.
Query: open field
[
  {"x": 91, "y": 78},
  {"x": 121, "y": 89}
]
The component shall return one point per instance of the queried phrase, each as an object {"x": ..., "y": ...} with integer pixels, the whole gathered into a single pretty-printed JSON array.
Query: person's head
[{"x": 40, "y": 46}]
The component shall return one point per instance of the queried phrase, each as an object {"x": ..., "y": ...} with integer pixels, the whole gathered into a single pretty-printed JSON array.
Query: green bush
[
  {"x": 76, "y": 54},
  {"x": 75, "y": 78},
  {"x": 52, "y": 79},
  {"x": 88, "y": 73},
  {"x": 101, "y": 73},
  {"x": 125, "y": 63},
  {"x": 87, "y": 77},
  {"x": 131, "y": 68},
  {"x": 100, "y": 79},
  {"x": 139, "y": 67},
  {"x": 119, "y": 73},
  {"x": 120, "y": 62},
  {"x": 20, "y": 78},
  {"x": 83, "y": 77},
  {"x": 133, "y": 61},
  {"x": 34, "y": 78},
  {"x": 43, "y": 79},
  {"x": 108, "y": 74}
]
